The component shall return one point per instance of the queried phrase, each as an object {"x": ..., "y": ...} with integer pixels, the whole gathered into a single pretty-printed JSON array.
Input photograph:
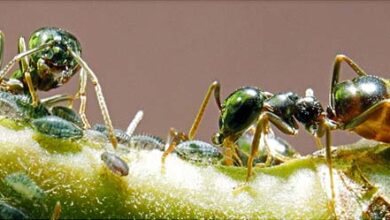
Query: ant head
[
  {"x": 309, "y": 111},
  {"x": 54, "y": 65}
]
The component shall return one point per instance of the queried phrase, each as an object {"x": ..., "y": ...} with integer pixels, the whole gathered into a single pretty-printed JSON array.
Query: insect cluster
[{"x": 244, "y": 138}]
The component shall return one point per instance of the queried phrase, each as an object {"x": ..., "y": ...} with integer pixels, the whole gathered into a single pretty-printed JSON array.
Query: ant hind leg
[{"x": 214, "y": 87}]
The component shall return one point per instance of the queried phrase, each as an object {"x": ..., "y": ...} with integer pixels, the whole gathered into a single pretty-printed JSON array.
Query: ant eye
[{"x": 217, "y": 139}]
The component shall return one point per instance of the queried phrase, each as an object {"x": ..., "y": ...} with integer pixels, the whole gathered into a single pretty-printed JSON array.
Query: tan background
[{"x": 161, "y": 56}]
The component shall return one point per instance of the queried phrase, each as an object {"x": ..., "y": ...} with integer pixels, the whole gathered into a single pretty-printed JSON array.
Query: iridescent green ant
[
  {"x": 54, "y": 56},
  {"x": 242, "y": 109}
]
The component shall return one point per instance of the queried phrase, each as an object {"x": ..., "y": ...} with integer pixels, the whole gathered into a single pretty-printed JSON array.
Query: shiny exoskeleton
[
  {"x": 249, "y": 106},
  {"x": 53, "y": 57},
  {"x": 361, "y": 105}
]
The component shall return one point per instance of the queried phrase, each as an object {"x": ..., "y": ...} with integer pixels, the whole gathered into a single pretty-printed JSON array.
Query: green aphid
[
  {"x": 146, "y": 142},
  {"x": 9, "y": 107},
  {"x": 10, "y": 212},
  {"x": 29, "y": 111},
  {"x": 199, "y": 152},
  {"x": 57, "y": 127},
  {"x": 19, "y": 107},
  {"x": 25, "y": 186},
  {"x": 67, "y": 114},
  {"x": 120, "y": 135}
]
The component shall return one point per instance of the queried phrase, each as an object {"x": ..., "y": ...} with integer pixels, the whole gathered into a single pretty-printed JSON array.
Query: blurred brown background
[{"x": 160, "y": 56}]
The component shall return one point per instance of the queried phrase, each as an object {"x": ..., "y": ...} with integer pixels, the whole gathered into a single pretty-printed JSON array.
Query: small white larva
[{"x": 115, "y": 163}]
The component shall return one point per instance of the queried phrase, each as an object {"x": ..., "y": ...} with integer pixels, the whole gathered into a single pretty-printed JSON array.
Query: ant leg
[
  {"x": 330, "y": 166},
  {"x": 336, "y": 73},
  {"x": 55, "y": 99},
  {"x": 229, "y": 145},
  {"x": 318, "y": 143},
  {"x": 56, "y": 211},
  {"x": 100, "y": 97},
  {"x": 1, "y": 48},
  {"x": 24, "y": 63},
  {"x": 10, "y": 64},
  {"x": 283, "y": 127},
  {"x": 214, "y": 87},
  {"x": 174, "y": 138},
  {"x": 83, "y": 98},
  {"x": 255, "y": 143}
]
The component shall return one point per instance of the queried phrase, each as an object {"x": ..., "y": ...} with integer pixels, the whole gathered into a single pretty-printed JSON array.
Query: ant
[
  {"x": 360, "y": 105},
  {"x": 53, "y": 58},
  {"x": 248, "y": 106}
]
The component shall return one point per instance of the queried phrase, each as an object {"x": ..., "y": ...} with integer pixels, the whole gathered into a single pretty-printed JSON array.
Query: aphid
[
  {"x": 146, "y": 142},
  {"x": 53, "y": 58},
  {"x": 68, "y": 114},
  {"x": 10, "y": 212},
  {"x": 57, "y": 127},
  {"x": 8, "y": 106},
  {"x": 282, "y": 150},
  {"x": 120, "y": 135},
  {"x": 19, "y": 107},
  {"x": 199, "y": 152},
  {"x": 115, "y": 163},
  {"x": 25, "y": 186},
  {"x": 175, "y": 137},
  {"x": 29, "y": 111}
]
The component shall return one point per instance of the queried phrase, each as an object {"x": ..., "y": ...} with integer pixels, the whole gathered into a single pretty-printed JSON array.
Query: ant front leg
[
  {"x": 100, "y": 97},
  {"x": 24, "y": 64},
  {"x": 174, "y": 138},
  {"x": 56, "y": 99},
  {"x": 255, "y": 143},
  {"x": 17, "y": 58},
  {"x": 327, "y": 127},
  {"x": 336, "y": 73},
  {"x": 261, "y": 129},
  {"x": 214, "y": 87}
]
